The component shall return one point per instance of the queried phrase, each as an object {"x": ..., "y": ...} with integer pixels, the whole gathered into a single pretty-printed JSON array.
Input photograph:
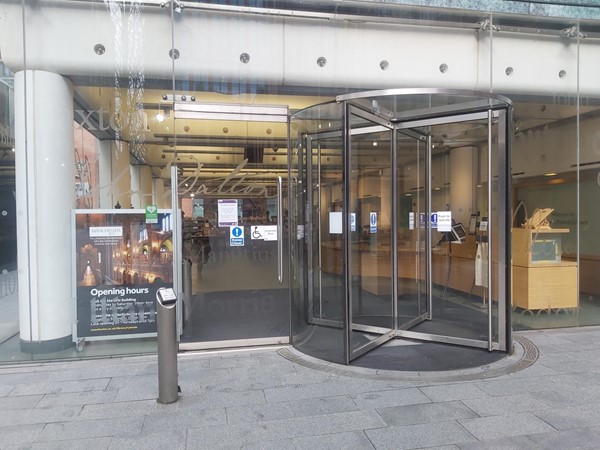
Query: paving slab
[
  {"x": 246, "y": 434},
  {"x": 425, "y": 413},
  {"x": 456, "y": 391},
  {"x": 505, "y": 443},
  {"x": 171, "y": 440},
  {"x": 493, "y": 427},
  {"x": 20, "y": 434},
  {"x": 572, "y": 417},
  {"x": 419, "y": 436},
  {"x": 506, "y": 404},
  {"x": 350, "y": 440},
  {"x": 77, "y": 444},
  {"x": 23, "y": 402},
  {"x": 581, "y": 439},
  {"x": 83, "y": 429},
  {"x": 258, "y": 413},
  {"x": 391, "y": 397}
]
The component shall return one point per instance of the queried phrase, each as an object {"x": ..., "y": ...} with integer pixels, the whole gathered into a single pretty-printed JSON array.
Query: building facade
[{"x": 109, "y": 109}]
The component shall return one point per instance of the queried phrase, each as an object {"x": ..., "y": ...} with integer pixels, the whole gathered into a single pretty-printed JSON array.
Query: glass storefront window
[{"x": 110, "y": 95}]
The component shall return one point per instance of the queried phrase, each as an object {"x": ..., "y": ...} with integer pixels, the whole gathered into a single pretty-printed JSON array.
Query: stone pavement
[{"x": 259, "y": 400}]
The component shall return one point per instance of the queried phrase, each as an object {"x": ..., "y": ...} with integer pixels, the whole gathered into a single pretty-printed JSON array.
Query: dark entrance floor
[{"x": 425, "y": 357}]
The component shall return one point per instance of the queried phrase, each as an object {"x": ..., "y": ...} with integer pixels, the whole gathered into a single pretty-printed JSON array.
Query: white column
[
  {"x": 105, "y": 174},
  {"x": 45, "y": 185},
  {"x": 145, "y": 193},
  {"x": 158, "y": 193},
  {"x": 461, "y": 183},
  {"x": 135, "y": 187},
  {"x": 121, "y": 174}
]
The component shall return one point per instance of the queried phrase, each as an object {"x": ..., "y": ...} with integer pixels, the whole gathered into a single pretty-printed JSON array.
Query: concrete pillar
[
  {"x": 105, "y": 174},
  {"x": 135, "y": 187},
  {"x": 145, "y": 186},
  {"x": 121, "y": 173},
  {"x": 45, "y": 185},
  {"x": 158, "y": 192},
  {"x": 461, "y": 183}
]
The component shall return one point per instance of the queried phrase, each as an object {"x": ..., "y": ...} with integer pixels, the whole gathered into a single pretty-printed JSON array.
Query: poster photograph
[{"x": 120, "y": 262}]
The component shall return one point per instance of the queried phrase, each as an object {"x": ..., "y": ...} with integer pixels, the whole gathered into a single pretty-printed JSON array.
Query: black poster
[{"x": 120, "y": 263}]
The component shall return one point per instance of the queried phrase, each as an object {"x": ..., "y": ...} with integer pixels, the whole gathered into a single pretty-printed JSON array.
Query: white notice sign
[
  {"x": 264, "y": 232},
  {"x": 335, "y": 223},
  {"x": 444, "y": 221},
  {"x": 228, "y": 213}
]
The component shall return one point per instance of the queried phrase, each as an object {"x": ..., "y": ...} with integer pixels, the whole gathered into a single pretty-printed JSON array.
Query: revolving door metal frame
[{"x": 412, "y": 124}]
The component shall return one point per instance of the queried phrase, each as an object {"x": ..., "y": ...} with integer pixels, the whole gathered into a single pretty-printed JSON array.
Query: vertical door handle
[{"x": 279, "y": 230}]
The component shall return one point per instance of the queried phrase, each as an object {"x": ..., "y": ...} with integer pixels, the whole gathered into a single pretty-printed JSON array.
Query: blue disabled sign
[
  {"x": 373, "y": 222},
  {"x": 236, "y": 236}
]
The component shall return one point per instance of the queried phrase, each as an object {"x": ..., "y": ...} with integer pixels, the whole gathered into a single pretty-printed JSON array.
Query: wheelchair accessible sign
[{"x": 236, "y": 236}]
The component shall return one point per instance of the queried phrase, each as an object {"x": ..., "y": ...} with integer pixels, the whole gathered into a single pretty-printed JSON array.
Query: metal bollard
[{"x": 168, "y": 389}]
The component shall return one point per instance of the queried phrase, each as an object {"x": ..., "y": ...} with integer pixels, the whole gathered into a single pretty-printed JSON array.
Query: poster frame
[{"x": 80, "y": 340}]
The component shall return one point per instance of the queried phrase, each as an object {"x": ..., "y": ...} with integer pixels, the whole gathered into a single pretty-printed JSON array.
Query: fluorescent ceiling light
[{"x": 231, "y": 111}]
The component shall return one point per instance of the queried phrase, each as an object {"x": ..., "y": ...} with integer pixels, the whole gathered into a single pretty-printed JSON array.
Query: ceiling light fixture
[{"x": 231, "y": 111}]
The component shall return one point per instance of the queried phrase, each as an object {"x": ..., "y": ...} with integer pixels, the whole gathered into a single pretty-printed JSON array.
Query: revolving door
[{"x": 400, "y": 225}]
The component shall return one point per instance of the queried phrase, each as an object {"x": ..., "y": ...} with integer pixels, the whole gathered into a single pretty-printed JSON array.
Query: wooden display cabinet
[{"x": 541, "y": 279}]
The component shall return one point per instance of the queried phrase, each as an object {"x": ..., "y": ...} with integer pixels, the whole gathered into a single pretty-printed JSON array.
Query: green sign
[{"x": 151, "y": 214}]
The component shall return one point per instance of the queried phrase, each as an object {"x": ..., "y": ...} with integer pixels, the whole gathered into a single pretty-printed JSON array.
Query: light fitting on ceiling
[
  {"x": 444, "y": 68},
  {"x": 321, "y": 61},
  {"x": 384, "y": 65},
  {"x": 161, "y": 115},
  {"x": 177, "y": 5},
  {"x": 487, "y": 24},
  {"x": 99, "y": 49},
  {"x": 245, "y": 58},
  {"x": 509, "y": 71},
  {"x": 573, "y": 33},
  {"x": 174, "y": 53},
  {"x": 231, "y": 111},
  {"x": 562, "y": 74}
]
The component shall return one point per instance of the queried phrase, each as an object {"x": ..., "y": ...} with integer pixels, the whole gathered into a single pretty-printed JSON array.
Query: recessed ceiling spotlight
[
  {"x": 509, "y": 71},
  {"x": 99, "y": 49},
  {"x": 384, "y": 65},
  {"x": 174, "y": 53},
  {"x": 562, "y": 74},
  {"x": 321, "y": 61},
  {"x": 245, "y": 58},
  {"x": 444, "y": 68},
  {"x": 160, "y": 116}
]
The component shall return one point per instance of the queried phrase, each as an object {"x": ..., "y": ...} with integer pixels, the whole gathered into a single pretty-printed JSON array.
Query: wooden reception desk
[
  {"x": 453, "y": 264},
  {"x": 536, "y": 284}
]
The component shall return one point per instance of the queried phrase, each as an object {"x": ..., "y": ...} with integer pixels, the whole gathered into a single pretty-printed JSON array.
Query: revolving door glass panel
[
  {"x": 461, "y": 247},
  {"x": 369, "y": 181},
  {"x": 411, "y": 204},
  {"x": 317, "y": 251}
]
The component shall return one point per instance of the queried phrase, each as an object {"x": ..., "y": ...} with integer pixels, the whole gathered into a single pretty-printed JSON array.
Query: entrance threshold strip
[{"x": 524, "y": 354}]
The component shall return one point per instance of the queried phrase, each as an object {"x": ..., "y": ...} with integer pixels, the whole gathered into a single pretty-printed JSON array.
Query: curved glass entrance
[{"x": 398, "y": 205}]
